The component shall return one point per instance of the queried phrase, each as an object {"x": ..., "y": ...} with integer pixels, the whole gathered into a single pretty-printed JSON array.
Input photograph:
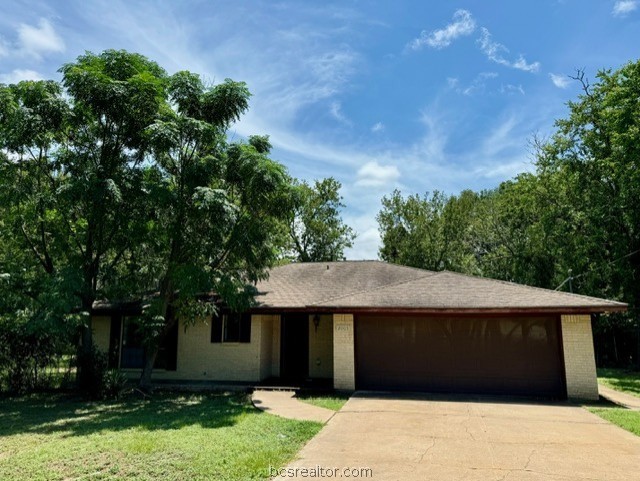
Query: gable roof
[{"x": 379, "y": 286}]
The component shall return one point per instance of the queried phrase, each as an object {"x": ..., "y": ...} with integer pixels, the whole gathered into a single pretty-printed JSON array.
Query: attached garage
[{"x": 488, "y": 355}]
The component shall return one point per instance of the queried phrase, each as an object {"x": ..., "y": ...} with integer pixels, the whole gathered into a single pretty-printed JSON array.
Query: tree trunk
[
  {"x": 150, "y": 356},
  {"x": 151, "y": 352},
  {"x": 85, "y": 349}
]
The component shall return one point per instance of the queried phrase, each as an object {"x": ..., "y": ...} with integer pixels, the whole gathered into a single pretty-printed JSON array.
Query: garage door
[{"x": 491, "y": 356}]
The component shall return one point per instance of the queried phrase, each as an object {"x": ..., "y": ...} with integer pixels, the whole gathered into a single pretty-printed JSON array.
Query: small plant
[{"x": 115, "y": 384}]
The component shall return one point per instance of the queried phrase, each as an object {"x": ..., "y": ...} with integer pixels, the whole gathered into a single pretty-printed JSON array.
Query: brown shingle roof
[{"x": 376, "y": 285}]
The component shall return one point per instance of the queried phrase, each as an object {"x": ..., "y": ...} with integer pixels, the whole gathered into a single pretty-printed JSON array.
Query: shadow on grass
[
  {"x": 42, "y": 414},
  {"x": 621, "y": 380}
]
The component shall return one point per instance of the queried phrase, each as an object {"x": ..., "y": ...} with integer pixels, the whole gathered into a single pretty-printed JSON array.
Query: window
[
  {"x": 132, "y": 351},
  {"x": 231, "y": 327}
]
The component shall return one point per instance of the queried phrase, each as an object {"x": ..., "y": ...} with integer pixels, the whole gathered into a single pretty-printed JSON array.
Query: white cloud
[
  {"x": 35, "y": 41},
  {"x": 377, "y": 127},
  {"x": 18, "y": 75},
  {"x": 463, "y": 24},
  {"x": 521, "y": 64},
  {"x": 373, "y": 174},
  {"x": 624, "y": 7},
  {"x": 452, "y": 82},
  {"x": 560, "y": 81},
  {"x": 495, "y": 52}
]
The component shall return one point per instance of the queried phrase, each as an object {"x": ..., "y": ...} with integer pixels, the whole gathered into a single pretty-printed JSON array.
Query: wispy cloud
[
  {"x": 37, "y": 40},
  {"x": 495, "y": 52},
  {"x": 377, "y": 127},
  {"x": 19, "y": 75},
  {"x": 336, "y": 112},
  {"x": 622, "y": 8},
  {"x": 478, "y": 84},
  {"x": 4, "y": 47},
  {"x": 510, "y": 89},
  {"x": 560, "y": 81},
  {"x": 463, "y": 24},
  {"x": 373, "y": 174}
]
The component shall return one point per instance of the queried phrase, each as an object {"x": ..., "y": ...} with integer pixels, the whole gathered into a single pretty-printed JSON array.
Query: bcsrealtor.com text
[{"x": 321, "y": 472}]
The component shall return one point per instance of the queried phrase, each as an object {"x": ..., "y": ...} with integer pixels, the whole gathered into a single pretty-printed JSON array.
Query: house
[{"x": 379, "y": 326}]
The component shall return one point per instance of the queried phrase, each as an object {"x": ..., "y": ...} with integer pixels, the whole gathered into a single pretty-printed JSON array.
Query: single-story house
[{"x": 378, "y": 326}]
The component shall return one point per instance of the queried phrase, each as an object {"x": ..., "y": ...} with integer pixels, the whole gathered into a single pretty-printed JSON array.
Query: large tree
[
  {"x": 75, "y": 151},
  {"x": 213, "y": 208},
  {"x": 119, "y": 182}
]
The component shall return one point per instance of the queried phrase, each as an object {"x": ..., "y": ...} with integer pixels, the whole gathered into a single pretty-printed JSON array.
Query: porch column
[
  {"x": 579, "y": 358},
  {"x": 343, "y": 352}
]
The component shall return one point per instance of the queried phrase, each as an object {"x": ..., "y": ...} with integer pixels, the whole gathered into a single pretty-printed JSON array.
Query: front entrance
[{"x": 294, "y": 342}]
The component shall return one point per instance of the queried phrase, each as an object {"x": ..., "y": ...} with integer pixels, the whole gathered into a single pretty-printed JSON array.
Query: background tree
[
  {"x": 574, "y": 224},
  {"x": 597, "y": 150},
  {"x": 431, "y": 232},
  {"x": 314, "y": 230}
]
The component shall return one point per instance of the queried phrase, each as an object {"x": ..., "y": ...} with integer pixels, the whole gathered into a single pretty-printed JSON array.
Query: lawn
[
  {"x": 331, "y": 401},
  {"x": 171, "y": 437},
  {"x": 625, "y": 418},
  {"x": 621, "y": 380}
]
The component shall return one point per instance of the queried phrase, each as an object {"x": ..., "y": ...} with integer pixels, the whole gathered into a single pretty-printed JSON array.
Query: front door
[{"x": 294, "y": 354}]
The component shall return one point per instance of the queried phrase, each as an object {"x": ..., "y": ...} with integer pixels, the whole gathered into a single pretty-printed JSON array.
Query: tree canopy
[
  {"x": 314, "y": 230},
  {"x": 119, "y": 181}
]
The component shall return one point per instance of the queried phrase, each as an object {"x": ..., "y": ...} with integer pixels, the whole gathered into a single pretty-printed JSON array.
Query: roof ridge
[
  {"x": 428, "y": 274},
  {"x": 527, "y": 286}
]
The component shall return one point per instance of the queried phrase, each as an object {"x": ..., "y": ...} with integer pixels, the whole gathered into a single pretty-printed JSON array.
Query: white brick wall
[
  {"x": 101, "y": 327},
  {"x": 579, "y": 358},
  {"x": 275, "y": 347},
  {"x": 343, "y": 353}
]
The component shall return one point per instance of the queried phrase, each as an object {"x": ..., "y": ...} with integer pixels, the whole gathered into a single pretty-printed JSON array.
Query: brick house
[{"x": 379, "y": 326}]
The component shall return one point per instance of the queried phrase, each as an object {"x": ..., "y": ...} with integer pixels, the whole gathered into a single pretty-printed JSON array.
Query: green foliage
[
  {"x": 212, "y": 208},
  {"x": 313, "y": 230},
  {"x": 430, "y": 232},
  {"x": 120, "y": 181}
]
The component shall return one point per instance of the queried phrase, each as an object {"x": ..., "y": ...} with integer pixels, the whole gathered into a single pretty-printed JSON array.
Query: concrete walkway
[
  {"x": 431, "y": 438},
  {"x": 622, "y": 399},
  {"x": 285, "y": 404}
]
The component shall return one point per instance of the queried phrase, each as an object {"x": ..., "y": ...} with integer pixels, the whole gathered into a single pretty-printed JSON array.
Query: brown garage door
[{"x": 493, "y": 355}]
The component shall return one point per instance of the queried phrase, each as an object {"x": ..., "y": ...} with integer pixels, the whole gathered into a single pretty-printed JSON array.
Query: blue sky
[{"x": 412, "y": 95}]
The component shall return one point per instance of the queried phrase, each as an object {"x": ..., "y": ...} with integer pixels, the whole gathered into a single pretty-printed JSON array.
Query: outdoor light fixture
[{"x": 316, "y": 321}]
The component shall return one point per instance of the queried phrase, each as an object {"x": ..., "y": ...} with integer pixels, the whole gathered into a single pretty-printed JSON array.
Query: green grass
[
  {"x": 625, "y": 418},
  {"x": 331, "y": 401},
  {"x": 621, "y": 380},
  {"x": 170, "y": 437}
]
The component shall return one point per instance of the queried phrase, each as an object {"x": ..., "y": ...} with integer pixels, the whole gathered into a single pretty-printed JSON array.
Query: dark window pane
[
  {"x": 231, "y": 327},
  {"x": 132, "y": 350},
  {"x": 114, "y": 341},
  {"x": 245, "y": 328},
  {"x": 216, "y": 328}
]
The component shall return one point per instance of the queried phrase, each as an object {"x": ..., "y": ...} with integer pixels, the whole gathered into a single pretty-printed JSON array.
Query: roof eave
[{"x": 445, "y": 310}]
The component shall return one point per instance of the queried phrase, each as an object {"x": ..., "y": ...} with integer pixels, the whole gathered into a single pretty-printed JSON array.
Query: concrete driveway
[{"x": 435, "y": 438}]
